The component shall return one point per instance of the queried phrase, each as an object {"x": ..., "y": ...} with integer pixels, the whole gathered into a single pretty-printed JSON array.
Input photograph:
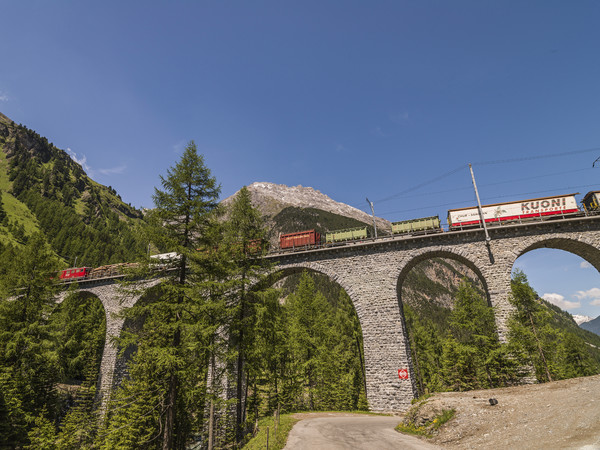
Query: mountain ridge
[
  {"x": 44, "y": 190},
  {"x": 271, "y": 199}
]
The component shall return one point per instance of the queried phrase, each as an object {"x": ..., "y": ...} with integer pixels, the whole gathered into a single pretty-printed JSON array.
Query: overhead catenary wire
[
  {"x": 459, "y": 203},
  {"x": 499, "y": 183},
  {"x": 490, "y": 162},
  {"x": 534, "y": 157},
  {"x": 424, "y": 183}
]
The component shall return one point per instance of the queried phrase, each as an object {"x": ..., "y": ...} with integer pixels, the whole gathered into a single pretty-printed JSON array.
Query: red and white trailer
[{"x": 513, "y": 211}]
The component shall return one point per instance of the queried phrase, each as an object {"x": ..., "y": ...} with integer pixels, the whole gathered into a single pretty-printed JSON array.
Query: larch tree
[
  {"x": 167, "y": 355},
  {"x": 245, "y": 240},
  {"x": 189, "y": 194},
  {"x": 528, "y": 326}
]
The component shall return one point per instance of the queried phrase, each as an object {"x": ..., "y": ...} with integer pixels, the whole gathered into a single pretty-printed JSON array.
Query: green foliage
[
  {"x": 79, "y": 326},
  {"x": 464, "y": 352},
  {"x": 45, "y": 190},
  {"x": 536, "y": 337},
  {"x": 294, "y": 218},
  {"x": 323, "y": 350},
  {"x": 28, "y": 356},
  {"x": 414, "y": 423},
  {"x": 168, "y": 372},
  {"x": 277, "y": 435}
]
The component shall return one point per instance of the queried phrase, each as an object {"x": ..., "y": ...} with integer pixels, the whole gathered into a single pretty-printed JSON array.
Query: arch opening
[
  {"x": 450, "y": 325},
  {"x": 79, "y": 327},
  {"x": 320, "y": 336},
  {"x": 126, "y": 341},
  {"x": 562, "y": 283}
]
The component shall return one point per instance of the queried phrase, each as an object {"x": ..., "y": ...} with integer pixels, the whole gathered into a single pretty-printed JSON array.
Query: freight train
[
  {"x": 88, "y": 273},
  {"x": 555, "y": 207},
  {"x": 159, "y": 262}
]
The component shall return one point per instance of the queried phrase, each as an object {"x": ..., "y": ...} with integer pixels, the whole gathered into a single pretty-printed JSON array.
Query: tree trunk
[
  {"x": 539, "y": 344},
  {"x": 240, "y": 366},
  {"x": 211, "y": 409},
  {"x": 362, "y": 364},
  {"x": 170, "y": 414}
]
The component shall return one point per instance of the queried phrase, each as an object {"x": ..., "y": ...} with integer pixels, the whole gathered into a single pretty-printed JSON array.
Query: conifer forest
[{"x": 217, "y": 344}]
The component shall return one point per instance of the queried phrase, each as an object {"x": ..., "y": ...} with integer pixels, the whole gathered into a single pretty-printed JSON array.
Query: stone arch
[
  {"x": 281, "y": 272},
  {"x": 284, "y": 271},
  {"x": 580, "y": 246},
  {"x": 426, "y": 254},
  {"x": 419, "y": 256},
  {"x": 114, "y": 300}
]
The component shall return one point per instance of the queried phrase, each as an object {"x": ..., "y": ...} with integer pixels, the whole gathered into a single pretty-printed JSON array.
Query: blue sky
[{"x": 380, "y": 99}]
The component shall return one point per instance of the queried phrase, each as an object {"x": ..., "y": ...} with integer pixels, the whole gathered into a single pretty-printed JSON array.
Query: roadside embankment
[{"x": 562, "y": 414}]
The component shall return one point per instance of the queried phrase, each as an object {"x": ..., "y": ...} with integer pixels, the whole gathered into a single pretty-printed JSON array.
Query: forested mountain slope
[
  {"x": 43, "y": 190},
  {"x": 592, "y": 325}
]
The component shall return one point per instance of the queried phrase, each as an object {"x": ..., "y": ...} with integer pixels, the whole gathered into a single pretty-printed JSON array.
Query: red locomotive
[{"x": 75, "y": 272}]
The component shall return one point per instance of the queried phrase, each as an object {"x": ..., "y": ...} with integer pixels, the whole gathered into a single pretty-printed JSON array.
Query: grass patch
[
  {"x": 276, "y": 440},
  {"x": 421, "y": 399},
  {"x": 440, "y": 420},
  {"x": 429, "y": 428}
]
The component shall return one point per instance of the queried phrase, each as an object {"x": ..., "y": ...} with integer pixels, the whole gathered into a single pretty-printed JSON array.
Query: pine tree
[
  {"x": 165, "y": 360},
  {"x": 28, "y": 358},
  {"x": 529, "y": 326}
]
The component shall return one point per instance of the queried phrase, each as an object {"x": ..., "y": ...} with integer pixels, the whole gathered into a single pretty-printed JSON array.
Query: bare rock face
[{"x": 271, "y": 198}]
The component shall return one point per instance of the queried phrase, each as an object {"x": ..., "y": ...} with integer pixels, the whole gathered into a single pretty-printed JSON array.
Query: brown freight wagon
[{"x": 301, "y": 239}]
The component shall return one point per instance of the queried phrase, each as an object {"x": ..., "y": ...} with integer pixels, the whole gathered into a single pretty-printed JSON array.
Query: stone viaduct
[{"x": 372, "y": 273}]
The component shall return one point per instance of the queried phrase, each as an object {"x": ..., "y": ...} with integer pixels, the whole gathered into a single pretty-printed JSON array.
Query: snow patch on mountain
[
  {"x": 271, "y": 198},
  {"x": 579, "y": 319}
]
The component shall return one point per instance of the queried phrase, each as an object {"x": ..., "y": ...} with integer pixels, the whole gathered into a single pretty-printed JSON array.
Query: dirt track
[{"x": 558, "y": 415}]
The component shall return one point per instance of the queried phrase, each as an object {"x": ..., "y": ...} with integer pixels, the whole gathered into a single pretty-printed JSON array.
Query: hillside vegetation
[
  {"x": 455, "y": 346},
  {"x": 44, "y": 190},
  {"x": 216, "y": 325}
]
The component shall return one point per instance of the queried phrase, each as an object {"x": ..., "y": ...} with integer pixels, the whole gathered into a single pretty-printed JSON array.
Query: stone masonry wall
[{"x": 372, "y": 274}]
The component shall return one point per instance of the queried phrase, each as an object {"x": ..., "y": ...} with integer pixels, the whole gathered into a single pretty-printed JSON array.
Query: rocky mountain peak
[{"x": 271, "y": 198}]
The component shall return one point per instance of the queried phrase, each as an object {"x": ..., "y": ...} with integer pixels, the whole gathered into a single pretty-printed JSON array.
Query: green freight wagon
[
  {"x": 346, "y": 235},
  {"x": 416, "y": 225}
]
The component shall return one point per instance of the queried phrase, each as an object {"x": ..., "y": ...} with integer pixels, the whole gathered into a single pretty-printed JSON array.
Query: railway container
[
  {"x": 74, "y": 272},
  {"x": 417, "y": 225},
  {"x": 591, "y": 201},
  {"x": 309, "y": 238},
  {"x": 513, "y": 211},
  {"x": 349, "y": 234}
]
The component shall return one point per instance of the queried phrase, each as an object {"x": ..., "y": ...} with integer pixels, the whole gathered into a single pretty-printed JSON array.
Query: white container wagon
[{"x": 513, "y": 211}]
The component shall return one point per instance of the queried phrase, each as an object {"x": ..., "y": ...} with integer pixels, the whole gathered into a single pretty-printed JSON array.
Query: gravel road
[
  {"x": 324, "y": 431},
  {"x": 560, "y": 415}
]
